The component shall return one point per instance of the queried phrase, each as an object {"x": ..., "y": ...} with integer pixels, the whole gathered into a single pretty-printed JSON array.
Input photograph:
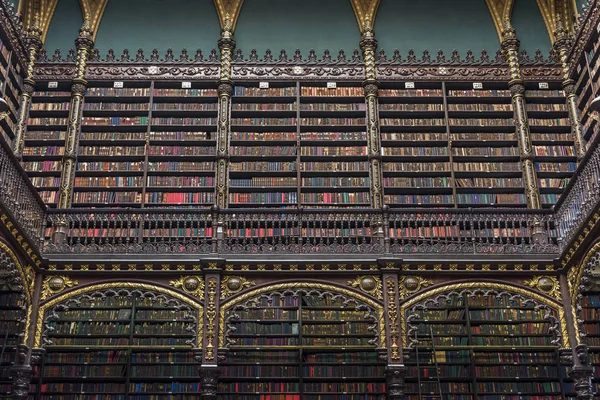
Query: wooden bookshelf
[
  {"x": 122, "y": 347},
  {"x": 12, "y": 321},
  {"x": 590, "y": 317},
  {"x": 10, "y": 88},
  {"x": 488, "y": 347},
  {"x": 300, "y": 346}
]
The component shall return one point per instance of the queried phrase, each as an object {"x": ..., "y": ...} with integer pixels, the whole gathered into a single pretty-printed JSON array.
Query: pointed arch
[
  {"x": 93, "y": 10},
  {"x": 500, "y": 10},
  {"x": 365, "y": 10},
  {"x": 229, "y": 8},
  {"x": 42, "y": 9},
  {"x": 554, "y": 11}
]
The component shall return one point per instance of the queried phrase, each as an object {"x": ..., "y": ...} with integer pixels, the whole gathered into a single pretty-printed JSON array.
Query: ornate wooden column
[
  {"x": 510, "y": 46},
  {"x": 34, "y": 46},
  {"x": 368, "y": 45},
  {"x": 84, "y": 44},
  {"x": 395, "y": 371},
  {"x": 209, "y": 370},
  {"x": 226, "y": 45},
  {"x": 562, "y": 45},
  {"x": 581, "y": 370}
]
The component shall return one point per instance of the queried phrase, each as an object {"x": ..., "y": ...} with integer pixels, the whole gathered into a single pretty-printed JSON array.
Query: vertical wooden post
[
  {"x": 34, "y": 46},
  {"x": 562, "y": 45},
  {"x": 209, "y": 371},
  {"x": 395, "y": 371}
]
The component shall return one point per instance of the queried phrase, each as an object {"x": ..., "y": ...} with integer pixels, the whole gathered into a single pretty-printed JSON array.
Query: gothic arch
[
  {"x": 435, "y": 294},
  {"x": 111, "y": 288},
  {"x": 372, "y": 307}
]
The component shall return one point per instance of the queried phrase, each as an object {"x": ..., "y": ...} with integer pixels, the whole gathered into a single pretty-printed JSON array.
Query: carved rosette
[
  {"x": 54, "y": 284},
  {"x": 545, "y": 284}
]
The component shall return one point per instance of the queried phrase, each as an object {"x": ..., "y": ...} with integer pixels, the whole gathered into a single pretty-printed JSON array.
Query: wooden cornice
[
  {"x": 500, "y": 10},
  {"x": 555, "y": 10},
  {"x": 365, "y": 12},
  {"x": 228, "y": 9},
  {"x": 93, "y": 10},
  {"x": 43, "y": 9}
]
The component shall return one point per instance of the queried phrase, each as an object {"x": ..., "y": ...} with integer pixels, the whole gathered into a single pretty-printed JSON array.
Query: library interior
[{"x": 299, "y": 200}]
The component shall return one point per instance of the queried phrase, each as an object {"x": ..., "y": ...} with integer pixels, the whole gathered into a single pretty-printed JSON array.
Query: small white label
[
  {"x": 409, "y": 85},
  {"x": 331, "y": 85},
  {"x": 477, "y": 85},
  {"x": 263, "y": 85},
  {"x": 118, "y": 84},
  {"x": 543, "y": 85},
  {"x": 52, "y": 85},
  {"x": 186, "y": 85}
]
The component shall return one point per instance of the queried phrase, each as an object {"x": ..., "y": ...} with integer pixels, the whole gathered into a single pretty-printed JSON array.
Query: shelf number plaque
[
  {"x": 186, "y": 85},
  {"x": 118, "y": 84},
  {"x": 543, "y": 85},
  {"x": 263, "y": 85},
  {"x": 331, "y": 85},
  {"x": 52, "y": 85},
  {"x": 409, "y": 85},
  {"x": 477, "y": 85}
]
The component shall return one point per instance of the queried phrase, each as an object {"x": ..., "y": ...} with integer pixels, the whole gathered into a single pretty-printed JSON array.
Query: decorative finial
[
  {"x": 367, "y": 32},
  {"x": 227, "y": 30},
  {"x": 35, "y": 29},
  {"x": 560, "y": 33},
  {"x": 86, "y": 29},
  {"x": 508, "y": 32}
]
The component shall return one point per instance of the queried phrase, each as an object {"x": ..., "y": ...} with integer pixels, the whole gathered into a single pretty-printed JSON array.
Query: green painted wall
[
  {"x": 434, "y": 25},
  {"x": 15, "y": 2},
  {"x": 160, "y": 24},
  {"x": 64, "y": 27},
  {"x": 580, "y": 4},
  {"x": 531, "y": 30},
  {"x": 306, "y": 24}
]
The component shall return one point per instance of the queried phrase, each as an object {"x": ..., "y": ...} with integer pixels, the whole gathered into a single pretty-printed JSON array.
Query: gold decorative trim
[
  {"x": 409, "y": 285},
  {"x": 545, "y": 284},
  {"x": 54, "y": 284},
  {"x": 555, "y": 305},
  {"x": 114, "y": 285},
  {"x": 211, "y": 316},
  {"x": 94, "y": 10},
  {"x": 500, "y": 10},
  {"x": 365, "y": 12},
  {"x": 41, "y": 9},
  {"x": 393, "y": 319},
  {"x": 576, "y": 272},
  {"x": 192, "y": 285},
  {"x": 301, "y": 285},
  {"x": 228, "y": 9},
  {"x": 369, "y": 284},
  {"x": 231, "y": 285},
  {"x": 554, "y": 11},
  {"x": 27, "y": 276}
]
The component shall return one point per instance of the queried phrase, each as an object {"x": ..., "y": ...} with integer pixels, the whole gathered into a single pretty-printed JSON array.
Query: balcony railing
[{"x": 297, "y": 231}]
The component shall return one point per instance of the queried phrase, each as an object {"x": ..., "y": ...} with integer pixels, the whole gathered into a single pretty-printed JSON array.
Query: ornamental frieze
[
  {"x": 446, "y": 73},
  {"x": 301, "y": 72},
  {"x": 156, "y": 72}
]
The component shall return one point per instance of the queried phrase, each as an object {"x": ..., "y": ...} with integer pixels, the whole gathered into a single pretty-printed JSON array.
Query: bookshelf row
[
  {"x": 12, "y": 325},
  {"x": 10, "y": 89},
  {"x": 289, "y": 139}
]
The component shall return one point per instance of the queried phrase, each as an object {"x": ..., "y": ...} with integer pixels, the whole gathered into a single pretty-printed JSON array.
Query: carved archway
[
  {"x": 193, "y": 309},
  {"x": 373, "y": 310},
  {"x": 14, "y": 276},
  {"x": 441, "y": 293},
  {"x": 580, "y": 278}
]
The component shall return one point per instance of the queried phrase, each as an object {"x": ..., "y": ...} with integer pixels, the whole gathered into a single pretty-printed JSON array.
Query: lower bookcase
[
  {"x": 301, "y": 346},
  {"x": 12, "y": 325},
  {"x": 589, "y": 313},
  {"x": 120, "y": 346},
  {"x": 484, "y": 346}
]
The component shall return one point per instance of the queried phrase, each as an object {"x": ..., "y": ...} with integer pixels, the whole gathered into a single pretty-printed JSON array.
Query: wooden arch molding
[
  {"x": 228, "y": 9},
  {"x": 485, "y": 285},
  {"x": 194, "y": 304},
  {"x": 501, "y": 10},
  {"x": 41, "y": 9},
  {"x": 232, "y": 301},
  {"x": 93, "y": 10},
  {"x": 365, "y": 12},
  {"x": 557, "y": 12}
]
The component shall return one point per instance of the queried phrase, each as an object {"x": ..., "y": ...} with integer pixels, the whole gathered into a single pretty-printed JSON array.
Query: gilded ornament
[
  {"x": 192, "y": 285},
  {"x": 369, "y": 284},
  {"x": 546, "y": 284},
  {"x": 231, "y": 285},
  {"x": 211, "y": 316},
  {"x": 412, "y": 284},
  {"x": 55, "y": 284},
  {"x": 393, "y": 319}
]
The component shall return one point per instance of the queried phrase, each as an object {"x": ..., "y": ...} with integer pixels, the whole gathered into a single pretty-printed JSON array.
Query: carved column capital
[
  {"x": 226, "y": 43},
  {"x": 21, "y": 380},
  {"x": 395, "y": 381},
  {"x": 582, "y": 381},
  {"x": 225, "y": 89},
  {"x": 209, "y": 380}
]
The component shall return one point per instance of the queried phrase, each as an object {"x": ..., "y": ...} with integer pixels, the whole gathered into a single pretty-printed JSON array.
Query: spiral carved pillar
[
  {"x": 34, "y": 46},
  {"x": 562, "y": 46}
]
